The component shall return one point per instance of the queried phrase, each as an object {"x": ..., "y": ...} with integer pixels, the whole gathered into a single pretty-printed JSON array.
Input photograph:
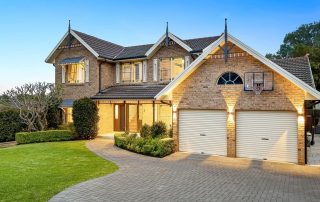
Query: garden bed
[{"x": 156, "y": 147}]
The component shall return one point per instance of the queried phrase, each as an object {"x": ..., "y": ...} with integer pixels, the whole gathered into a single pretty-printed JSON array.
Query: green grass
[{"x": 36, "y": 172}]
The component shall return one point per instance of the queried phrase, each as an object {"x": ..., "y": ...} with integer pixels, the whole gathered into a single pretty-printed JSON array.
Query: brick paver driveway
[{"x": 185, "y": 177}]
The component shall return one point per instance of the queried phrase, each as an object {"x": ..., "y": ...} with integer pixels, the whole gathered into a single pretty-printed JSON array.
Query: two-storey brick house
[{"x": 237, "y": 104}]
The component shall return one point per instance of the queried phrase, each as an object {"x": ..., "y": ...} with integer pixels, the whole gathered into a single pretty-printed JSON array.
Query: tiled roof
[
  {"x": 298, "y": 66},
  {"x": 133, "y": 52},
  {"x": 130, "y": 92},
  {"x": 103, "y": 48},
  {"x": 113, "y": 51},
  {"x": 199, "y": 44}
]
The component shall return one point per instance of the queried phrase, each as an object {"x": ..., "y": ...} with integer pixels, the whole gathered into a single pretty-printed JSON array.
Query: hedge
[
  {"x": 43, "y": 136},
  {"x": 10, "y": 124},
  {"x": 148, "y": 146}
]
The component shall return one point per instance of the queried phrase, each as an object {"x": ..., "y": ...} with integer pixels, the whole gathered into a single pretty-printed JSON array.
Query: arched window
[{"x": 228, "y": 78}]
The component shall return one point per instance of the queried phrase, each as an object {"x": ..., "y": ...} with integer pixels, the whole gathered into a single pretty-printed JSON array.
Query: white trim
[
  {"x": 314, "y": 85},
  {"x": 87, "y": 71},
  {"x": 174, "y": 38},
  {"x": 118, "y": 72},
  {"x": 49, "y": 59},
  {"x": 144, "y": 71},
  {"x": 255, "y": 54},
  {"x": 63, "y": 74},
  {"x": 155, "y": 69}
]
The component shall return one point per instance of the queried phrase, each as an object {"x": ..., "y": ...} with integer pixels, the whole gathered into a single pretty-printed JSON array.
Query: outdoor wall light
[
  {"x": 301, "y": 119},
  {"x": 174, "y": 108}
]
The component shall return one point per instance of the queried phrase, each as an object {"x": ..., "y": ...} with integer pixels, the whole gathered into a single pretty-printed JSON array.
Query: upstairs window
[
  {"x": 170, "y": 68},
  {"x": 131, "y": 72},
  {"x": 76, "y": 73},
  {"x": 229, "y": 78}
]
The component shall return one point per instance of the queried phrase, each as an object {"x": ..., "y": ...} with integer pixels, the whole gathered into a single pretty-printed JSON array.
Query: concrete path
[{"x": 187, "y": 177}]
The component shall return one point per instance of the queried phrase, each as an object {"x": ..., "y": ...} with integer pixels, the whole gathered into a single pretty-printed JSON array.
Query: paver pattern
[
  {"x": 314, "y": 151},
  {"x": 190, "y": 177}
]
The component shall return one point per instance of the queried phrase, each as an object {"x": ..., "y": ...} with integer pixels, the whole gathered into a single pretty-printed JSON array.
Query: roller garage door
[
  {"x": 203, "y": 131},
  {"x": 267, "y": 135}
]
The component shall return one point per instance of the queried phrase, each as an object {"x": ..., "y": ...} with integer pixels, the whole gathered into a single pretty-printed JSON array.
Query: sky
[{"x": 29, "y": 30}]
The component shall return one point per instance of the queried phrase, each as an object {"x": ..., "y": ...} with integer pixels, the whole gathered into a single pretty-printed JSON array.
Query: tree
[
  {"x": 85, "y": 118},
  {"x": 33, "y": 102},
  {"x": 305, "y": 40}
]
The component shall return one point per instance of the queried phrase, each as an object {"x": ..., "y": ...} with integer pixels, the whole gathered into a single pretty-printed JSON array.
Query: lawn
[{"x": 36, "y": 172}]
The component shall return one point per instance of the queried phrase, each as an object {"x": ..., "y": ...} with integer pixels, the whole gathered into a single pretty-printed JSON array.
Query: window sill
[{"x": 75, "y": 84}]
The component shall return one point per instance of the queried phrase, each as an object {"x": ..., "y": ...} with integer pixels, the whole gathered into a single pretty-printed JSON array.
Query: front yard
[{"x": 36, "y": 172}]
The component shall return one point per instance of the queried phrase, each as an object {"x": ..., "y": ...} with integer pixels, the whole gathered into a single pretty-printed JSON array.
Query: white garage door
[
  {"x": 203, "y": 131},
  {"x": 267, "y": 135}
]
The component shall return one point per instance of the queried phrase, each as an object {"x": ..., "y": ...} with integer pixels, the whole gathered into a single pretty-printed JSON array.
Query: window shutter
[
  {"x": 63, "y": 73},
  {"x": 118, "y": 73},
  {"x": 87, "y": 70},
  {"x": 144, "y": 70},
  {"x": 155, "y": 69},
  {"x": 186, "y": 61}
]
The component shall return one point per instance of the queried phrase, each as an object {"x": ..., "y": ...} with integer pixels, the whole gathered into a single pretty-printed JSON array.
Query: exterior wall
[
  {"x": 76, "y": 91},
  {"x": 200, "y": 91},
  {"x": 108, "y": 75}
]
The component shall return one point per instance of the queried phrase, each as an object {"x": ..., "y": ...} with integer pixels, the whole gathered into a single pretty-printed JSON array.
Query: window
[
  {"x": 132, "y": 72},
  {"x": 229, "y": 78},
  {"x": 76, "y": 73},
  {"x": 170, "y": 68}
]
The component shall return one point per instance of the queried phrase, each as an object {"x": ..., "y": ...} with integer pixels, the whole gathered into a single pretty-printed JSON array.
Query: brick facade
[
  {"x": 76, "y": 91},
  {"x": 200, "y": 91}
]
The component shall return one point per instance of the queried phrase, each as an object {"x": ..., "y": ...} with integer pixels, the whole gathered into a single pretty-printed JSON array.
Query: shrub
[
  {"x": 10, "y": 124},
  {"x": 149, "y": 146},
  {"x": 145, "y": 131},
  {"x": 85, "y": 118},
  {"x": 43, "y": 136},
  {"x": 158, "y": 129},
  {"x": 53, "y": 117}
]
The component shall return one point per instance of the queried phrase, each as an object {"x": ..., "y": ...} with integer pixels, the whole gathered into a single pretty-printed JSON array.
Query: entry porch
[{"x": 131, "y": 115}]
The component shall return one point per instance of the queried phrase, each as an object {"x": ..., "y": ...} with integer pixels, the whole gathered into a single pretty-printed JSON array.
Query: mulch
[{"x": 7, "y": 144}]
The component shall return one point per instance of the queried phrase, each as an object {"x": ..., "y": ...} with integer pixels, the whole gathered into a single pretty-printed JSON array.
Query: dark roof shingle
[
  {"x": 299, "y": 67},
  {"x": 114, "y": 51},
  {"x": 133, "y": 52},
  {"x": 130, "y": 92},
  {"x": 199, "y": 44},
  {"x": 103, "y": 48}
]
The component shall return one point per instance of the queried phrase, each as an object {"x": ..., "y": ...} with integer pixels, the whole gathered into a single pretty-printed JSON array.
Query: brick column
[
  {"x": 231, "y": 135},
  {"x": 301, "y": 140}
]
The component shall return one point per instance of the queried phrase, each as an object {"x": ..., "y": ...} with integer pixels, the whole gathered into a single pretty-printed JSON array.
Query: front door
[{"x": 119, "y": 117}]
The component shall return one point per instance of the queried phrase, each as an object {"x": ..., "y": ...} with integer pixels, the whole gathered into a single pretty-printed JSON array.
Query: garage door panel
[
  {"x": 267, "y": 135},
  {"x": 202, "y": 131}
]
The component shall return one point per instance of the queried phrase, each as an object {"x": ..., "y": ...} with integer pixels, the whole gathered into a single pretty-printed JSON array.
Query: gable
[
  {"x": 96, "y": 46},
  {"x": 203, "y": 84},
  {"x": 214, "y": 48},
  {"x": 160, "y": 42}
]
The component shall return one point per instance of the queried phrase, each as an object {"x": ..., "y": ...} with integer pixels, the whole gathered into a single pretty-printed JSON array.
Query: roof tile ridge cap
[
  {"x": 97, "y": 38},
  {"x": 148, "y": 44},
  {"x": 206, "y": 37}
]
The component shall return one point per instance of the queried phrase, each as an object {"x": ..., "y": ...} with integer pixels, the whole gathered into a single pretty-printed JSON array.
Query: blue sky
[{"x": 30, "y": 29}]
